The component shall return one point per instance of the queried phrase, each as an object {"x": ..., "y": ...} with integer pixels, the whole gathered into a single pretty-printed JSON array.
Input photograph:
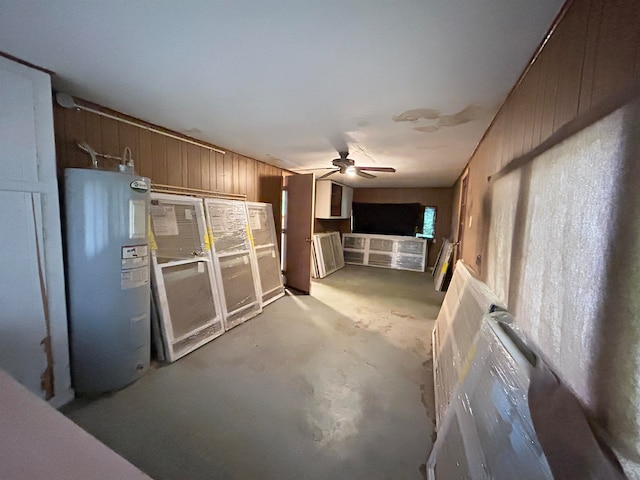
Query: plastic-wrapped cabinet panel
[
  {"x": 261, "y": 221},
  {"x": 412, "y": 247},
  {"x": 328, "y": 256},
  {"x": 356, "y": 258},
  {"x": 336, "y": 244},
  {"x": 451, "y": 464},
  {"x": 327, "y": 253},
  {"x": 177, "y": 231},
  {"x": 265, "y": 242},
  {"x": 387, "y": 251},
  {"x": 489, "y": 410},
  {"x": 185, "y": 282},
  {"x": 410, "y": 262},
  {"x": 381, "y": 245},
  {"x": 354, "y": 243},
  {"x": 457, "y": 325},
  {"x": 239, "y": 293},
  {"x": 189, "y": 296},
  {"x": 270, "y": 275},
  {"x": 380, "y": 260},
  {"x": 442, "y": 266},
  {"x": 193, "y": 315},
  {"x": 228, "y": 222}
]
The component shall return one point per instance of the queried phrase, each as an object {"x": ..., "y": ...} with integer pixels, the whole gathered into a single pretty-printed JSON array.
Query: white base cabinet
[{"x": 387, "y": 251}]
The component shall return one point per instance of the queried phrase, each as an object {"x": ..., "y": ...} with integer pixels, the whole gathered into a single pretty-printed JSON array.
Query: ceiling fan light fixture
[{"x": 351, "y": 170}]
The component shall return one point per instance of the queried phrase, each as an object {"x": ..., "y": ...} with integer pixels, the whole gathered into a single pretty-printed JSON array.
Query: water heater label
[
  {"x": 134, "y": 262},
  {"x": 135, "y": 251},
  {"x": 139, "y": 186},
  {"x": 134, "y": 277}
]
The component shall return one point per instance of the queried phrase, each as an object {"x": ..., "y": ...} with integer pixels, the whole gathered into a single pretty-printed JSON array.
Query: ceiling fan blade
[
  {"x": 329, "y": 173},
  {"x": 364, "y": 174},
  {"x": 312, "y": 169},
  {"x": 379, "y": 169}
]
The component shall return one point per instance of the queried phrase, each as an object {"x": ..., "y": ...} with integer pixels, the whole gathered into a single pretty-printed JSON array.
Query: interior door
[
  {"x": 33, "y": 317},
  {"x": 298, "y": 230}
]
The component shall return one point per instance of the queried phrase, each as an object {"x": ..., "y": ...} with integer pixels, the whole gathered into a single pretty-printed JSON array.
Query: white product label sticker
[
  {"x": 218, "y": 223},
  {"x": 245, "y": 260},
  {"x": 188, "y": 214},
  {"x": 164, "y": 220},
  {"x": 273, "y": 254},
  {"x": 134, "y": 277},
  {"x": 200, "y": 267},
  {"x": 254, "y": 221},
  {"x": 137, "y": 218}
]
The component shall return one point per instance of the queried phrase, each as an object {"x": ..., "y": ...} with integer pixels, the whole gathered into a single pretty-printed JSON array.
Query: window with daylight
[{"x": 428, "y": 223}]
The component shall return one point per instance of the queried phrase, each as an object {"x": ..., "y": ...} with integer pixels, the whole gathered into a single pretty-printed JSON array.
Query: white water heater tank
[{"x": 108, "y": 259}]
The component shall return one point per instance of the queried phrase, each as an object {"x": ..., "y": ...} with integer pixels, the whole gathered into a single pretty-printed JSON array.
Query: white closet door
[
  {"x": 33, "y": 320},
  {"x": 23, "y": 320}
]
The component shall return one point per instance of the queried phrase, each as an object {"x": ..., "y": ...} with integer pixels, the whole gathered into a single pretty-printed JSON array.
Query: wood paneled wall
[
  {"x": 441, "y": 198},
  {"x": 592, "y": 54},
  {"x": 165, "y": 160}
]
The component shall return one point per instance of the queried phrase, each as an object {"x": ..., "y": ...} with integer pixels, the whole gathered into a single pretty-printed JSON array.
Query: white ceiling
[{"x": 285, "y": 81}]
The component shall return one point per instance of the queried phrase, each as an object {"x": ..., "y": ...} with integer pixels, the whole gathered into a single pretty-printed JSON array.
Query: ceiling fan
[{"x": 346, "y": 165}]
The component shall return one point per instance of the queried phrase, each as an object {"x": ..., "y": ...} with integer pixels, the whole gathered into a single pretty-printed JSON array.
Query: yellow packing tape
[
  {"x": 152, "y": 239},
  {"x": 249, "y": 236},
  {"x": 208, "y": 240}
]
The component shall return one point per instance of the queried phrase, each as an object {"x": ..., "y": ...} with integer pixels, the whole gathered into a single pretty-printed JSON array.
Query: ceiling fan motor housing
[{"x": 343, "y": 162}]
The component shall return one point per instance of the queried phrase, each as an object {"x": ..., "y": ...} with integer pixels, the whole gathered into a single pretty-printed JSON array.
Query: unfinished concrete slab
[{"x": 334, "y": 385}]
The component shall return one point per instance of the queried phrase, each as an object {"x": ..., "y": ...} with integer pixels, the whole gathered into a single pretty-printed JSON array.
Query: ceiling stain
[
  {"x": 469, "y": 114},
  {"x": 417, "y": 114},
  {"x": 427, "y": 128},
  {"x": 466, "y": 115}
]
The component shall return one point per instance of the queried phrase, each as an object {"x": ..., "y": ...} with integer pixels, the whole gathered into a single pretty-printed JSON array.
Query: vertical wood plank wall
[
  {"x": 165, "y": 160},
  {"x": 593, "y": 53},
  {"x": 441, "y": 198}
]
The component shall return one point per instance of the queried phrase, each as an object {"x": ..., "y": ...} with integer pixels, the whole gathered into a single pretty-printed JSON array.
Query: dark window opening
[{"x": 404, "y": 219}]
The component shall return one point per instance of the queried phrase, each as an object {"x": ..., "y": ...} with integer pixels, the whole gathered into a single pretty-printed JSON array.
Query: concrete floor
[{"x": 337, "y": 385}]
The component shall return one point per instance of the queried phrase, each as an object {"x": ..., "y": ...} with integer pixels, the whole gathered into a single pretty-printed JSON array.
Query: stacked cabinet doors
[
  {"x": 232, "y": 250},
  {"x": 185, "y": 277},
  {"x": 263, "y": 232},
  {"x": 206, "y": 277},
  {"x": 327, "y": 254}
]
